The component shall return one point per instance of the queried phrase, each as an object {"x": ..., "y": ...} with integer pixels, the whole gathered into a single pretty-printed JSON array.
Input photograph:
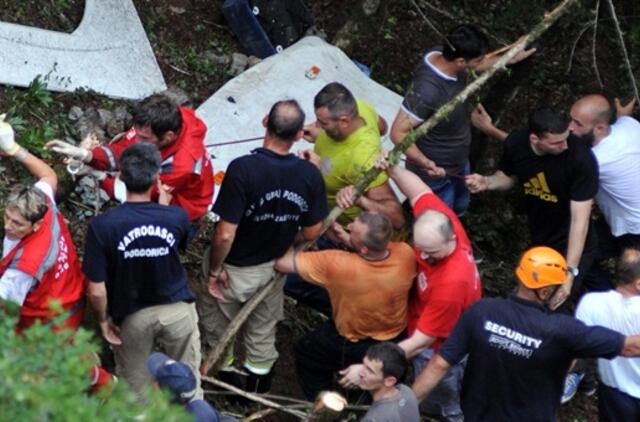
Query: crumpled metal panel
[{"x": 108, "y": 53}]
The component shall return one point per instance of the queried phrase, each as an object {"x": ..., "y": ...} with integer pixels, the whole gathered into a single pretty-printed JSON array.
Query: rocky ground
[{"x": 198, "y": 53}]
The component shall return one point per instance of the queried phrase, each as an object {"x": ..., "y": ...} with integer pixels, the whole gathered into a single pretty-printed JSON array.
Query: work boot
[{"x": 258, "y": 383}]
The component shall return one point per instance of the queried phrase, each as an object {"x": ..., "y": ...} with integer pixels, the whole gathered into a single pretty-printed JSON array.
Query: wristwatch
[{"x": 573, "y": 271}]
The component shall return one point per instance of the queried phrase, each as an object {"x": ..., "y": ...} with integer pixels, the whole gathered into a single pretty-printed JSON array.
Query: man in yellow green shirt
[{"x": 347, "y": 141}]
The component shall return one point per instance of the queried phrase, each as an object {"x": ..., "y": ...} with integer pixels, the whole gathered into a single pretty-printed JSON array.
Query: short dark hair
[
  {"x": 159, "y": 113},
  {"x": 394, "y": 361},
  {"x": 628, "y": 269},
  {"x": 139, "y": 166},
  {"x": 337, "y": 99},
  {"x": 379, "y": 231},
  {"x": 285, "y": 120},
  {"x": 545, "y": 120},
  {"x": 466, "y": 41}
]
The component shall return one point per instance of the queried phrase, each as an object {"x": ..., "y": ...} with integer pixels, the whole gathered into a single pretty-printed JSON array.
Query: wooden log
[
  {"x": 327, "y": 407},
  {"x": 394, "y": 157}
]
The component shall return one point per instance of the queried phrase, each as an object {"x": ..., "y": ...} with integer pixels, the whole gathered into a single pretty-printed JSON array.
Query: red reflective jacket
[
  {"x": 186, "y": 165},
  {"x": 48, "y": 255}
]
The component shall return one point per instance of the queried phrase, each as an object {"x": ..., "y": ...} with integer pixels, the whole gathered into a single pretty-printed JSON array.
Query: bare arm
[
  {"x": 286, "y": 263},
  {"x": 409, "y": 183},
  {"x": 482, "y": 121},
  {"x": 631, "y": 346},
  {"x": 382, "y": 126},
  {"x": 383, "y": 199},
  {"x": 580, "y": 214},
  {"x": 497, "y": 181},
  {"x": 402, "y": 125},
  {"x": 97, "y": 293},
  {"x": 38, "y": 168},
  {"x": 491, "y": 58},
  {"x": 221, "y": 242},
  {"x": 416, "y": 344},
  {"x": 578, "y": 228},
  {"x": 430, "y": 377},
  {"x": 311, "y": 232}
]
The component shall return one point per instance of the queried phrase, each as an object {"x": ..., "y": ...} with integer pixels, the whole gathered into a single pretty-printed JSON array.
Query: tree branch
[
  {"x": 612, "y": 9},
  {"x": 394, "y": 157}
]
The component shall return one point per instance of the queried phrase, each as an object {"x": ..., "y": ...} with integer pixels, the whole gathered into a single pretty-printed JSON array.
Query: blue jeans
[
  {"x": 444, "y": 400},
  {"x": 451, "y": 190}
]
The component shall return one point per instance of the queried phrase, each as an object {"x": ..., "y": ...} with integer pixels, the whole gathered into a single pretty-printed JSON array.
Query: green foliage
[
  {"x": 36, "y": 117},
  {"x": 44, "y": 377}
]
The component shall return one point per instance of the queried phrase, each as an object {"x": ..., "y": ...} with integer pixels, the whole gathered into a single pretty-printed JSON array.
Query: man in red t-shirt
[
  {"x": 447, "y": 283},
  {"x": 179, "y": 135}
]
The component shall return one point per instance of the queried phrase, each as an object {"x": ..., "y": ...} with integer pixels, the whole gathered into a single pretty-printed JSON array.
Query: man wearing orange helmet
[{"x": 518, "y": 352}]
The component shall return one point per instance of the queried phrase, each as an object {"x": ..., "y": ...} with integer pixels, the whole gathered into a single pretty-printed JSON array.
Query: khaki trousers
[
  {"x": 171, "y": 328},
  {"x": 260, "y": 328}
]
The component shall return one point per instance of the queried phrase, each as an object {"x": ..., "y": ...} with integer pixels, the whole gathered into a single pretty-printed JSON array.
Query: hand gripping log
[{"x": 394, "y": 157}]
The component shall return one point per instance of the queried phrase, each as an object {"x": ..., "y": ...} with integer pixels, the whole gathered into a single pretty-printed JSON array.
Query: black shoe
[
  {"x": 589, "y": 384},
  {"x": 258, "y": 383}
]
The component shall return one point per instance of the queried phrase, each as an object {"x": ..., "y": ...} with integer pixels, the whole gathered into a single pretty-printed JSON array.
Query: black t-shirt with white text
[
  {"x": 134, "y": 249},
  {"x": 270, "y": 196},
  {"x": 518, "y": 356},
  {"x": 550, "y": 183}
]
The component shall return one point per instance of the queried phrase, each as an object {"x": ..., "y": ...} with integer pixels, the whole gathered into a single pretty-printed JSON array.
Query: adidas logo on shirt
[{"x": 537, "y": 186}]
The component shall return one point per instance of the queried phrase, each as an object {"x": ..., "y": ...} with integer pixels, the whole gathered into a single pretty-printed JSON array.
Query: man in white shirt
[
  {"x": 616, "y": 146},
  {"x": 619, "y": 310}
]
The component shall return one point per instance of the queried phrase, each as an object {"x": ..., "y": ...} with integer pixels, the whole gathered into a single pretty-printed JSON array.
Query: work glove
[
  {"x": 8, "y": 143},
  {"x": 69, "y": 150},
  {"x": 79, "y": 169}
]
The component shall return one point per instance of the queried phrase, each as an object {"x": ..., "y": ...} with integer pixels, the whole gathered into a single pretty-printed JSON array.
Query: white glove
[
  {"x": 69, "y": 150},
  {"x": 7, "y": 138},
  {"x": 78, "y": 169}
]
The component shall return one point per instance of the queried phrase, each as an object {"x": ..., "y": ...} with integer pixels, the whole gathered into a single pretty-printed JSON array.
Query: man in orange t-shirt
[{"x": 368, "y": 289}]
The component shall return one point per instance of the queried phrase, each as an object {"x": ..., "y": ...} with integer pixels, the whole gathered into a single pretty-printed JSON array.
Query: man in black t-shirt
[
  {"x": 264, "y": 199},
  {"x": 440, "y": 76},
  {"x": 519, "y": 352},
  {"x": 138, "y": 286},
  {"x": 559, "y": 177}
]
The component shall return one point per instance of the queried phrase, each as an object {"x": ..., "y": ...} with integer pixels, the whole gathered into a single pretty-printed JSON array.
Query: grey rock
[
  {"x": 369, "y": 7},
  {"x": 104, "y": 197},
  {"x": 87, "y": 182},
  {"x": 239, "y": 63},
  {"x": 75, "y": 113},
  {"x": 253, "y": 60},
  {"x": 90, "y": 122},
  {"x": 177, "y": 95},
  {"x": 120, "y": 121},
  {"x": 316, "y": 32},
  {"x": 105, "y": 117},
  {"x": 214, "y": 57}
]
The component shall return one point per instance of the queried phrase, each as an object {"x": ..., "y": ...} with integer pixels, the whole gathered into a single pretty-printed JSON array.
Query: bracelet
[{"x": 214, "y": 275}]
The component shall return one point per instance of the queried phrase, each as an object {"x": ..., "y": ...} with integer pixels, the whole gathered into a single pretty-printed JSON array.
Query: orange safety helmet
[{"x": 541, "y": 266}]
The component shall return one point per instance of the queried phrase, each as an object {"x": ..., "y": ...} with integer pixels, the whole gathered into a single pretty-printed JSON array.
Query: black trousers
[
  {"x": 321, "y": 353},
  {"x": 616, "y": 406}
]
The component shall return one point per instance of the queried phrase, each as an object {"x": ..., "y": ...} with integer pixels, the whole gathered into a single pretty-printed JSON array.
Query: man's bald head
[
  {"x": 433, "y": 235},
  {"x": 591, "y": 117},
  {"x": 597, "y": 107},
  {"x": 285, "y": 120}
]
